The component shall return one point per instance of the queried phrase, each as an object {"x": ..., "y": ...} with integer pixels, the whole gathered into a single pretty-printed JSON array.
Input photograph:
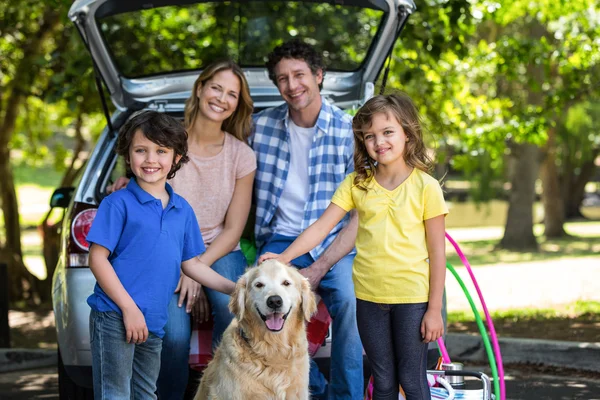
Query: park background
[{"x": 510, "y": 95}]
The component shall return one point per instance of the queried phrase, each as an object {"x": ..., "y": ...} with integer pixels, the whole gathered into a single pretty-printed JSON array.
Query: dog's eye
[
  {"x": 286, "y": 283},
  {"x": 259, "y": 284}
]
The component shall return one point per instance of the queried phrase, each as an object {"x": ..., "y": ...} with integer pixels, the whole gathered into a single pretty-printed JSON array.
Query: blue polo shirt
[{"x": 147, "y": 245}]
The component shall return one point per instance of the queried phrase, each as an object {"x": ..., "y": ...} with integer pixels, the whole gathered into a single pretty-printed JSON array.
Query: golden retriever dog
[{"x": 264, "y": 352}]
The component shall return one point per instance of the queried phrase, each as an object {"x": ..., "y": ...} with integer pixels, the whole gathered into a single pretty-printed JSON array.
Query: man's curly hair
[{"x": 298, "y": 50}]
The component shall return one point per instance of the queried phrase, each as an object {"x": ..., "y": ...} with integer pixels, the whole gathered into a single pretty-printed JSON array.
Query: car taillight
[
  {"x": 78, "y": 246},
  {"x": 81, "y": 226}
]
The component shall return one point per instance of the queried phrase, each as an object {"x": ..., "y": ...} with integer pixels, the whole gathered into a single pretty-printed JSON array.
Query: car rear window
[{"x": 181, "y": 38}]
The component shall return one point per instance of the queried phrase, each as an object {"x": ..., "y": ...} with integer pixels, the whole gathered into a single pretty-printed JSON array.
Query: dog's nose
[{"x": 274, "y": 302}]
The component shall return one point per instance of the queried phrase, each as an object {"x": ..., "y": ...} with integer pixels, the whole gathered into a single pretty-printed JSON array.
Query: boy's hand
[
  {"x": 135, "y": 326},
  {"x": 432, "y": 326},
  {"x": 270, "y": 256}
]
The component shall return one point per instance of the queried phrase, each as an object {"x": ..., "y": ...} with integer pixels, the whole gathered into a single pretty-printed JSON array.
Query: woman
[{"x": 218, "y": 120}]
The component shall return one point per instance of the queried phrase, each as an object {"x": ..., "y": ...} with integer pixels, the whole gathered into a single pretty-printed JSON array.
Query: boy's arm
[
  {"x": 433, "y": 326},
  {"x": 205, "y": 275},
  {"x": 312, "y": 236},
  {"x": 133, "y": 319}
]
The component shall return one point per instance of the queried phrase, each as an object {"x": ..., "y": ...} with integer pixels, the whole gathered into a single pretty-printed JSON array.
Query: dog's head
[{"x": 272, "y": 291}]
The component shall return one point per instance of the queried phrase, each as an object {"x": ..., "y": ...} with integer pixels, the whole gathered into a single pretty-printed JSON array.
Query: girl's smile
[{"x": 385, "y": 140}]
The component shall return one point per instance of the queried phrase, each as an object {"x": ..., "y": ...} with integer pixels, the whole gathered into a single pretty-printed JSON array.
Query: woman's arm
[
  {"x": 133, "y": 319},
  {"x": 312, "y": 236},
  {"x": 432, "y": 326},
  {"x": 235, "y": 221}
]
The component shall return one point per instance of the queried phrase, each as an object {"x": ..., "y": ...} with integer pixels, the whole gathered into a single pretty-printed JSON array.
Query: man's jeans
[
  {"x": 122, "y": 370},
  {"x": 337, "y": 291},
  {"x": 174, "y": 372}
]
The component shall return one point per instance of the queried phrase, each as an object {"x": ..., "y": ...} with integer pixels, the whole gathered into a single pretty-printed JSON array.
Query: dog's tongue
[{"x": 274, "y": 321}]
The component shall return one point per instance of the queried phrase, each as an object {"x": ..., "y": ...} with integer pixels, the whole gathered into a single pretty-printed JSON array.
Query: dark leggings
[{"x": 391, "y": 337}]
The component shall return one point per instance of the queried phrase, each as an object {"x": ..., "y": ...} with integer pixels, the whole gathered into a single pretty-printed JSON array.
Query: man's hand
[
  {"x": 135, "y": 325},
  {"x": 432, "y": 326},
  {"x": 120, "y": 183},
  {"x": 314, "y": 275},
  {"x": 187, "y": 287}
]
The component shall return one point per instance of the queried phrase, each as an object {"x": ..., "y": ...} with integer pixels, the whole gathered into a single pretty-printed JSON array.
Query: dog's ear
[
  {"x": 237, "y": 302},
  {"x": 309, "y": 304}
]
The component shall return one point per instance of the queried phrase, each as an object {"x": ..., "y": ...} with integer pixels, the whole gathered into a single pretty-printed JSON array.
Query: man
[{"x": 304, "y": 150}]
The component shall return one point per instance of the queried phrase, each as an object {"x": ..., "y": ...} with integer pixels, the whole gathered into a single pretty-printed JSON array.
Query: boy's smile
[{"x": 150, "y": 163}]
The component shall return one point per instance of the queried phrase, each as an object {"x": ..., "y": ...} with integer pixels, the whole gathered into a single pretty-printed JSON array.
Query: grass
[
  {"x": 584, "y": 241},
  {"x": 579, "y": 321}
]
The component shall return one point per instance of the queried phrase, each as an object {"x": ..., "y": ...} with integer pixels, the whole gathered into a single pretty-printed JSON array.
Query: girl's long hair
[
  {"x": 401, "y": 107},
  {"x": 239, "y": 123}
]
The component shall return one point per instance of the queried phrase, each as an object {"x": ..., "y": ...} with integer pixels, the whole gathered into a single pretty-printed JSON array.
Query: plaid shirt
[{"x": 330, "y": 160}]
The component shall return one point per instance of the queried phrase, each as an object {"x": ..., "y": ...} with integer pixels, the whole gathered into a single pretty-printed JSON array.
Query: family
[{"x": 347, "y": 201}]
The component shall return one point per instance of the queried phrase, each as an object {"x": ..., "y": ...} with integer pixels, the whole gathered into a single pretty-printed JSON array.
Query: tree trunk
[
  {"x": 554, "y": 214},
  {"x": 51, "y": 232},
  {"x": 518, "y": 232},
  {"x": 576, "y": 191},
  {"x": 20, "y": 284},
  {"x": 21, "y": 281}
]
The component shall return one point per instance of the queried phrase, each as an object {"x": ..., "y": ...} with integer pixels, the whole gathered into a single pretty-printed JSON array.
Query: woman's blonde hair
[
  {"x": 400, "y": 106},
  {"x": 239, "y": 123}
]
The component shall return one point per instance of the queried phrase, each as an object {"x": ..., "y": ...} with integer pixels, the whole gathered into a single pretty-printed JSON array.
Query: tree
[{"x": 26, "y": 36}]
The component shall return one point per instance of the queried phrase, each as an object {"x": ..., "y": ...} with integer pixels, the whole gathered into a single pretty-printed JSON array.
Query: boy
[{"x": 140, "y": 239}]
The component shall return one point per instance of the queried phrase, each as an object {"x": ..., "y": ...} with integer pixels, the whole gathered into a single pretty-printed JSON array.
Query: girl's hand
[
  {"x": 201, "y": 309},
  {"x": 270, "y": 256},
  {"x": 135, "y": 325},
  {"x": 187, "y": 287},
  {"x": 432, "y": 326}
]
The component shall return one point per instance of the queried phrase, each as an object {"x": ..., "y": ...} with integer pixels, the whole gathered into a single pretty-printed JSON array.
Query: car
[{"x": 147, "y": 55}]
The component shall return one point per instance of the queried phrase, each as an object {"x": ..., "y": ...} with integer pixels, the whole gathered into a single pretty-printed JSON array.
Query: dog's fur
[{"x": 253, "y": 361}]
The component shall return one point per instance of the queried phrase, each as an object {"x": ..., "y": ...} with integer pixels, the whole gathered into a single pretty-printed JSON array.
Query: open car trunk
[{"x": 149, "y": 53}]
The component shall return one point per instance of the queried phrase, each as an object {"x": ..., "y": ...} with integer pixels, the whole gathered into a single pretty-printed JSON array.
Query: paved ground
[{"x": 520, "y": 385}]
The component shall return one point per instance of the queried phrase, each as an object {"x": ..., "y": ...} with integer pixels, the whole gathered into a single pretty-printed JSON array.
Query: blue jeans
[
  {"x": 122, "y": 370},
  {"x": 231, "y": 266},
  {"x": 391, "y": 334},
  {"x": 174, "y": 373},
  {"x": 337, "y": 291}
]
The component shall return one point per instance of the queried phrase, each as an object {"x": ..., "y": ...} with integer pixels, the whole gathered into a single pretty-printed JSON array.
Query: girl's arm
[
  {"x": 235, "y": 221},
  {"x": 312, "y": 236},
  {"x": 133, "y": 319},
  {"x": 205, "y": 275},
  {"x": 432, "y": 326}
]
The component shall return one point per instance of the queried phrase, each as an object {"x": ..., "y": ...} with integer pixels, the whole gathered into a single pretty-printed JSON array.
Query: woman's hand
[
  {"x": 187, "y": 287},
  {"x": 270, "y": 256},
  {"x": 120, "y": 183},
  {"x": 432, "y": 326},
  {"x": 201, "y": 309}
]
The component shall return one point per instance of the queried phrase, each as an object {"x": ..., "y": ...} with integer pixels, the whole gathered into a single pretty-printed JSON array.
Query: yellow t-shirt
[{"x": 391, "y": 250}]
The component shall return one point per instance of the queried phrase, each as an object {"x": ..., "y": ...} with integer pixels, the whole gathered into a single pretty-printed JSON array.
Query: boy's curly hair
[
  {"x": 159, "y": 128},
  {"x": 298, "y": 50},
  {"x": 402, "y": 108}
]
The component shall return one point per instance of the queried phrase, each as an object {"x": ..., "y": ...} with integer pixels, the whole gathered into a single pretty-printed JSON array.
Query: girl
[
  {"x": 399, "y": 269},
  {"x": 217, "y": 182}
]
